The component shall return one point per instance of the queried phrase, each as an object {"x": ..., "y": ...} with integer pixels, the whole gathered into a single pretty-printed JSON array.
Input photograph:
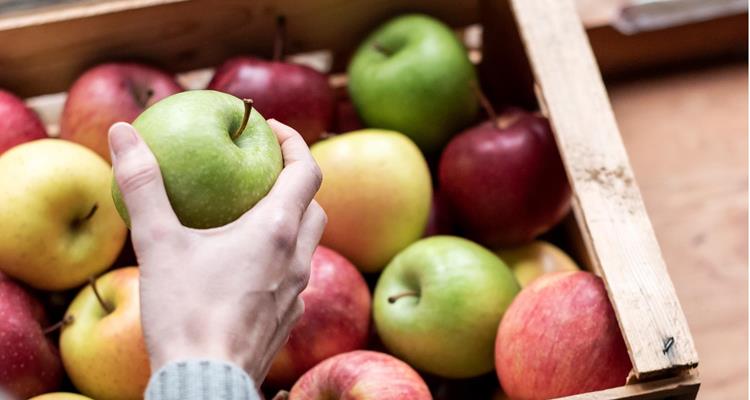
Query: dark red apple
[
  {"x": 361, "y": 375},
  {"x": 346, "y": 119},
  {"x": 29, "y": 362},
  {"x": 560, "y": 337},
  {"x": 440, "y": 221},
  {"x": 110, "y": 93},
  {"x": 504, "y": 180},
  {"x": 294, "y": 94},
  {"x": 18, "y": 123},
  {"x": 336, "y": 318}
]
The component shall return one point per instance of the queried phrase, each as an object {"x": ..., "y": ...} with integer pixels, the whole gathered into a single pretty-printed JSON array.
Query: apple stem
[
  {"x": 279, "y": 43},
  {"x": 106, "y": 306},
  {"x": 382, "y": 49},
  {"x": 64, "y": 322},
  {"x": 248, "y": 109},
  {"x": 486, "y": 105},
  {"x": 507, "y": 119},
  {"x": 281, "y": 395},
  {"x": 392, "y": 299},
  {"x": 91, "y": 213}
]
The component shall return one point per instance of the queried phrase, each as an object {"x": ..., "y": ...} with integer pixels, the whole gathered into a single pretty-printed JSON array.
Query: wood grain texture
[
  {"x": 687, "y": 136},
  {"x": 609, "y": 206},
  {"x": 44, "y": 52},
  {"x": 682, "y": 387}
]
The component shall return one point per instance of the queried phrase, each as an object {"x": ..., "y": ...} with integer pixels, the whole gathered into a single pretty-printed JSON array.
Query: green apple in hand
[
  {"x": 439, "y": 302},
  {"x": 413, "y": 75},
  {"x": 217, "y": 156},
  {"x": 58, "y": 225}
]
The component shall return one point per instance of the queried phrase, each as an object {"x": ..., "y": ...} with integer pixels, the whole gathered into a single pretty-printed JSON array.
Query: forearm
[{"x": 201, "y": 380}]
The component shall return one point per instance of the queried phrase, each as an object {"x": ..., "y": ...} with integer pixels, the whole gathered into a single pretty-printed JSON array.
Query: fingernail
[{"x": 121, "y": 138}]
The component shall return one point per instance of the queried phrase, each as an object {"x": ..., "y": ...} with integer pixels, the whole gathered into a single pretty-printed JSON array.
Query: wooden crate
[{"x": 535, "y": 52}]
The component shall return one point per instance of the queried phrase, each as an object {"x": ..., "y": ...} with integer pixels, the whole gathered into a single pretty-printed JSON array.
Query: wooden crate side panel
[
  {"x": 44, "y": 53},
  {"x": 683, "y": 387},
  {"x": 609, "y": 208}
]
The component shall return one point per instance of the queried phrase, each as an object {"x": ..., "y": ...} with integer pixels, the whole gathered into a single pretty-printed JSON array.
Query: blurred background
[{"x": 676, "y": 71}]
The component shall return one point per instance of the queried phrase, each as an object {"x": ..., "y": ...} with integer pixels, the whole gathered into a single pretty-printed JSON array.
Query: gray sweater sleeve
[{"x": 200, "y": 380}]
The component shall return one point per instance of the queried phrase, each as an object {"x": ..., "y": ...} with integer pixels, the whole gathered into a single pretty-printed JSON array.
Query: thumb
[{"x": 139, "y": 179}]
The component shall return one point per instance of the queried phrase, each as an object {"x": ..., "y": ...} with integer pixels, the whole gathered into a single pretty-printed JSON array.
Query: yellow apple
[
  {"x": 376, "y": 191},
  {"x": 535, "y": 259},
  {"x": 60, "y": 396},
  {"x": 103, "y": 350},
  {"x": 59, "y": 223}
]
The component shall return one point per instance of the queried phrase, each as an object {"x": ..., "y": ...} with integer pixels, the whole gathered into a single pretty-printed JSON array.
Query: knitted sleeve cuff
[{"x": 200, "y": 380}]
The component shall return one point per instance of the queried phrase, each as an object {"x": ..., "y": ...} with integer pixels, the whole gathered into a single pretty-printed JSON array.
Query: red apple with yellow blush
[
  {"x": 361, "y": 375},
  {"x": 336, "y": 318},
  {"x": 560, "y": 337},
  {"x": 18, "y": 123}
]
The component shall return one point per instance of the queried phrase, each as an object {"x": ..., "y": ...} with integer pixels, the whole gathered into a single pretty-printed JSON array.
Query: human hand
[{"x": 228, "y": 293}]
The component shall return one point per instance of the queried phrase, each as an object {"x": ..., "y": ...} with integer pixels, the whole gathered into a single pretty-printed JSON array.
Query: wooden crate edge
[{"x": 608, "y": 204}]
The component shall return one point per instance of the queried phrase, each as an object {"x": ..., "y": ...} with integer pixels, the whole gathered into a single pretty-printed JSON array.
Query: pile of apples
[{"x": 430, "y": 280}]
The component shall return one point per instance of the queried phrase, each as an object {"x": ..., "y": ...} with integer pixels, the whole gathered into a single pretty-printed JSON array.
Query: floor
[{"x": 687, "y": 134}]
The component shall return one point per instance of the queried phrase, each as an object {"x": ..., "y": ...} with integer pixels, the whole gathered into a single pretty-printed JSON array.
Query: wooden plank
[
  {"x": 622, "y": 55},
  {"x": 44, "y": 52},
  {"x": 684, "y": 387},
  {"x": 611, "y": 213}
]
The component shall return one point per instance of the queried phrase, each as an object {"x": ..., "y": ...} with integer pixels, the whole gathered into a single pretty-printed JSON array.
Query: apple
[
  {"x": 413, "y": 75},
  {"x": 59, "y": 224},
  {"x": 361, "y": 375},
  {"x": 18, "y": 123},
  {"x": 29, "y": 362},
  {"x": 346, "y": 118},
  {"x": 440, "y": 221},
  {"x": 438, "y": 303},
  {"x": 376, "y": 192},
  {"x": 336, "y": 318},
  {"x": 504, "y": 180},
  {"x": 110, "y": 93},
  {"x": 61, "y": 396},
  {"x": 560, "y": 337},
  {"x": 238, "y": 155},
  {"x": 532, "y": 260},
  {"x": 294, "y": 94},
  {"x": 103, "y": 348}
]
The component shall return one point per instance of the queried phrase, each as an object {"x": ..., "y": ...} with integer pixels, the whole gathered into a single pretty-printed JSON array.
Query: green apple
[
  {"x": 376, "y": 192},
  {"x": 217, "y": 156},
  {"x": 102, "y": 346},
  {"x": 59, "y": 224},
  {"x": 438, "y": 304},
  {"x": 414, "y": 76}
]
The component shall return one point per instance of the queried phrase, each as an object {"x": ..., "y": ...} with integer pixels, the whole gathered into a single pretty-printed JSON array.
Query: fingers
[
  {"x": 139, "y": 179},
  {"x": 311, "y": 230},
  {"x": 301, "y": 177},
  {"x": 289, "y": 320}
]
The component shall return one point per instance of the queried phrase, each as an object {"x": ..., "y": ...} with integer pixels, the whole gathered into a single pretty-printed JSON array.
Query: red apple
[
  {"x": 440, "y": 221},
  {"x": 336, "y": 318},
  {"x": 29, "y": 362},
  {"x": 346, "y": 118},
  {"x": 18, "y": 123},
  {"x": 294, "y": 94},
  {"x": 110, "y": 93},
  {"x": 504, "y": 180},
  {"x": 361, "y": 375},
  {"x": 560, "y": 337}
]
